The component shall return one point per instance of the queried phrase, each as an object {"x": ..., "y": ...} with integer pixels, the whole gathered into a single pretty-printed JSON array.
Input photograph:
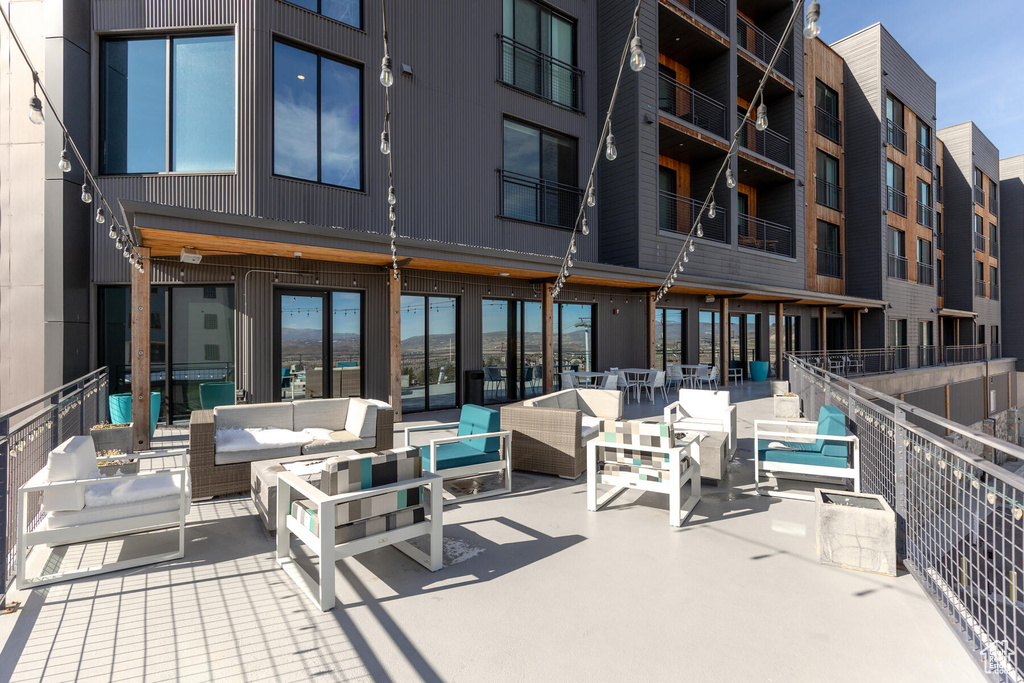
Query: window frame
[
  {"x": 319, "y": 12},
  {"x": 168, "y": 37},
  {"x": 320, "y": 55}
]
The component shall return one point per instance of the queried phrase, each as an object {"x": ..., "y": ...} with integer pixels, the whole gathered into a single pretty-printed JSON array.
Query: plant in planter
[
  {"x": 113, "y": 437},
  {"x": 786, "y": 405},
  {"x": 117, "y": 462}
]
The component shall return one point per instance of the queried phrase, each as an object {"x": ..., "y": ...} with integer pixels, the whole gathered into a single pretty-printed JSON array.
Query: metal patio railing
[
  {"x": 827, "y": 124},
  {"x": 896, "y": 201},
  {"x": 537, "y": 200},
  {"x": 767, "y": 142},
  {"x": 28, "y": 433},
  {"x": 964, "y": 353},
  {"x": 676, "y": 214},
  {"x": 540, "y": 74},
  {"x": 711, "y": 11},
  {"x": 757, "y": 233},
  {"x": 896, "y": 136},
  {"x": 959, "y": 516},
  {"x": 762, "y": 46},
  {"x": 683, "y": 102},
  {"x": 848, "y": 362}
]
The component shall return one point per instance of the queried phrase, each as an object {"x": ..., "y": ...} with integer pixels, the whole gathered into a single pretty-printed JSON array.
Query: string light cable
[
  {"x": 387, "y": 79},
  {"x": 123, "y": 241},
  {"x": 633, "y": 51},
  {"x": 811, "y": 29}
]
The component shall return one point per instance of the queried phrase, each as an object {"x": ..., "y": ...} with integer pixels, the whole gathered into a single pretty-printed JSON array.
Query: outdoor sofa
[{"x": 225, "y": 440}]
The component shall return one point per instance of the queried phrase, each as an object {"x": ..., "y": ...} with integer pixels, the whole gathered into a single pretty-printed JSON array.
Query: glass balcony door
[
  {"x": 430, "y": 352},
  {"x": 512, "y": 350}
]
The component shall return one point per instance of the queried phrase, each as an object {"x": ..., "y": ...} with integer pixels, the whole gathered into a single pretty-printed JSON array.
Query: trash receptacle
[{"x": 473, "y": 391}]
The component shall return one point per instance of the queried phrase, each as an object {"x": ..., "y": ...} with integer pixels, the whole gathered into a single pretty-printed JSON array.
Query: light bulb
[
  {"x": 584, "y": 228},
  {"x": 813, "y": 27},
  {"x": 729, "y": 180},
  {"x": 86, "y": 195},
  {"x": 113, "y": 233},
  {"x": 637, "y": 58},
  {"x": 394, "y": 234},
  {"x": 133, "y": 258},
  {"x": 572, "y": 247},
  {"x": 391, "y": 214},
  {"x": 591, "y": 199},
  {"x": 392, "y": 199},
  {"x": 686, "y": 258},
  {"x": 386, "y": 77},
  {"x": 700, "y": 230},
  {"x": 385, "y": 142},
  {"x": 119, "y": 244},
  {"x": 126, "y": 253},
  {"x": 711, "y": 210},
  {"x": 393, "y": 248},
  {"x": 569, "y": 261},
  {"x": 762, "y": 117},
  {"x": 691, "y": 247},
  {"x": 64, "y": 165},
  {"x": 609, "y": 150},
  {"x": 35, "y": 111},
  {"x": 100, "y": 218}
]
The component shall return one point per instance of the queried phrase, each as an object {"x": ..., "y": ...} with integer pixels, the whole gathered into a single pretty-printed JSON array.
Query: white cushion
[
  {"x": 328, "y": 413},
  {"x": 361, "y": 419},
  {"x": 106, "y": 513},
  {"x": 567, "y": 400},
  {"x": 591, "y": 422},
  {"x": 124, "y": 490},
  {"x": 258, "y": 438},
  {"x": 73, "y": 459}
]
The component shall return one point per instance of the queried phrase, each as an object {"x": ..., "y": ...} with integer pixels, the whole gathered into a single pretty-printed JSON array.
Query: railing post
[
  {"x": 55, "y": 429},
  {"x": 5, "y": 446},
  {"x": 900, "y": 439}
]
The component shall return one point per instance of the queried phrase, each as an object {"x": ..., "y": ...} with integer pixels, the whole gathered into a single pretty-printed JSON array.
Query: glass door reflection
[
  {"x": 302, "y": 346},
  {"x": 512, "y": 350},
  {"x": 429, "y": 352}
]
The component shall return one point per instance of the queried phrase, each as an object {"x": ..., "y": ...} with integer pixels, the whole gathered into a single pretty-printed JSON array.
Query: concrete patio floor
[{"x": 534, "y": 588}]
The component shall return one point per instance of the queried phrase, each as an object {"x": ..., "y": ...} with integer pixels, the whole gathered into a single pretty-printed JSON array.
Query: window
[
  {"x": 830, "y": 258},
  {"x": 896, "y": 136},
  {"x": 317, "y": 118},
  {"x": 897, "y": 254},
  {"x": 981, "y": 334},
  {"x": 896, "y": 198},
  {"x": 167, "y": 104},
  {"x": 894, "y": 110},
  {"x": 826, "y": 106},
  {"x": 993, "y": 235},
  {"x": 209, "y": 321},
  {"x": 670, "y": 337},
  {"x": 211, "y": 351},
  {"x": 898, "y": 341},
  {"x": 345, "y": 11},
  {"x": 513, "y": 354},
  {"x": 979, "y": 233},
  {"x": 574, "y": 347},
  {"x": 827, "y": 181},
  {"x": 894, "y": 176},
  {"x": 979, "y": 186},
  {"x": 926, "y": 330},
  {"x": 925, "y": 270},
  {"x": 924, "y": 144},
  {"x": 539, "y": 176},
  {"x": 979, "y": 279},
  {"x": 539, "y": 52},
  {"x": 209, "y": 292},
  {"x": 430, "y": 352},
  {"x": 707, "y": 337},
  {"x": 993, "y": 282},
  {"x": 924, "y": 203},
  {"x": 993, "y": 198}
]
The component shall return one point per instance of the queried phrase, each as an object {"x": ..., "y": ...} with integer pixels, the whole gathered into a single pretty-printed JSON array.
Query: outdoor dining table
[
  {"x": 689, "y": 371},
  {"x": 635, "y": 377},
  {"x": 593, "y": 377}
]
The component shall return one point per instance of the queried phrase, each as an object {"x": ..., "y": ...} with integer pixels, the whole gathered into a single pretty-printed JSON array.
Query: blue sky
[{"x": 973, "y": 50}]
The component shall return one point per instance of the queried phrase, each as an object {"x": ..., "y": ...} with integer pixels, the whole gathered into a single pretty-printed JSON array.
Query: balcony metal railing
[
  {"x": 539, "y": 74},
  {"x": 927, "y": 356},
  {"x": 980, "y": 289},
  {"x": 925, "y": 273},
  {"x": 938, "y": 193},
  {"x": 757, "y": 233},
  {"x": 827, "y": 124},
  {"x": 979, "y": 242},
  {"x": 925, "y": 214},
  {"x": 856, "y": 362},
  {"x": 924, "y": 156},
  {"x": 676, "y": 213},
  {"x": 713, "y": 12},
  {"x": 993, "y": 205},
  {"x": 938, "y": 241},
  {"x": 683, "y": 102},
  {"x": 761, "y": 46},
  {"x": 966, "y": 353},
  {"x": 896, "y": 201},
  {"x": 979, "y": 195},
  {"x": 896, "y": 136},
  {"x": 995, "y": 350},
  {"x": 993, "y": 292},
  {"x": 537, "y": 200},
  {"x": 897, "y": 267},
  {"x": 830, "y": 263},
  {"x": 828, "y": 194},
  {"x": 767, "y": 142}
]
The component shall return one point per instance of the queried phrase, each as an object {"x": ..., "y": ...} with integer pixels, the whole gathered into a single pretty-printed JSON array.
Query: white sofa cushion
[
  {"x": 591, "y": 426},
  {"x": 280, "y": 415},
  {"x": 258, "y": 438},
  {"x": 362, "y": 419},
  {"x": 324, "y": 413},
  {"x": 73, "y": 459},
  {"x": 125, "y": 490},
  {"x": 106, "y": 513}
]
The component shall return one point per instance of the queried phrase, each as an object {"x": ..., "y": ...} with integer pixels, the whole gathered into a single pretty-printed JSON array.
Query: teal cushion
[
  {"x": 479, "y": 420},
  {"x": 459, "y": 454},
  {"x": 831, "y": 422},
  {"x": 801, "y": 457}
]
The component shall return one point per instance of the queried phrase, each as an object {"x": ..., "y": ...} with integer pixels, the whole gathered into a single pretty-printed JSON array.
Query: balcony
[
  {"x": 767, "y": 142},
  {"x": 993, "y": 293},
  {"x": 979, "y": 242},
  {"x": 938, "y": 241},
  {"x": 896, "y": 136},
  {"x": 925, "y": 215},
  {"x": 925, "y": 273},
  {"x": 980, "y": 289},
  {"x": 761, "y": 235},
  {"x": 938, "y": 193},
  {"x": 828, "y": 194},
  {"x": 995, "y": 350},
  {"x": 539, "y": 74},
  {"x": 676, "y": 214},
  {"x": 684, "y": 103},
  {"x": 536, "y": 200},
  {"x": 979, "y": 195},
  {"x": 927, "y": 356},
  {"x": 896, "y": 201},
  {"x": 827, "y": 125},
  {"x": 993, "y": 205},
  {"x": 712, "y": 12},
  {"x": 761, "y": 47},
  {"x": 897, "y": 267},
  {"x": 924, "y": 156},
  {"x": 966, "y": 353},
  {"x": 830, "y": 263}
]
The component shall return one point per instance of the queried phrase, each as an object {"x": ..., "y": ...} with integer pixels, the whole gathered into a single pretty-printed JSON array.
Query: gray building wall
[{"x": 1011, "y": 239}]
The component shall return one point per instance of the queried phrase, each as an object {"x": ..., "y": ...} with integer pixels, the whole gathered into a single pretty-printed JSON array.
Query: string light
[
  {"x": 385, "y": 143},
  {"x": 711, "y": 211},
  {"x": 387, "y": 79},
  {"x": 813, "y": 26},
  {"x": 86, "y": 194},
  {"x": 591, "y": 200},
  {"x": 64, "y": 165},
  {"x": 113, "y": 233},
  {"x": 637, "y": 58},
  {"x": 100, "y": 218},
  {"x": 610, "y": 152},
  {"x": 35, "y": 105},
  {"x": 729, "y": 180},
  {"x": 762, "y": 116}
]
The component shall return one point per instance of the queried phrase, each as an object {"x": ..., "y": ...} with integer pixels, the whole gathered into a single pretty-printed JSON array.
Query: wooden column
[
  {"x": 140, "y": 352},
  {"x": 780, "y": 339},
  {"x": 723, "y": 336},
  {"x": 822, "y": 330},
  {"x": 395, "y": 342},
  {"x": 652, "y": 332},
  {"x": 857, "y": 328},
  {"x": 548, "y": 337}
]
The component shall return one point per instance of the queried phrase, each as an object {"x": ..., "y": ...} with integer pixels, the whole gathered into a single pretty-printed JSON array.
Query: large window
[
  {"x": 827, "y": 181},
  {"x": 167, "y": 104},
  {"x": 574, "y": 347},
  {"x": 826, "y": 105},
  {"x": 345, "y": 11},
  {"x": 925, "y": 210},
  {"x": 924, "y": 144},
  {"x": 925, "y": 269},
  {"x": 830, "y": 257},
  {"x": 670, "y": 337},
  {"x": 317, "y": 118},
  {"x": 430, "y": 352},
  {"x": 898, "y": 341},
  {"x": 707, "y": 337},
  {"x": 896, "y": 195},
  {"x": 897, "y": 254},
  {"x": 539, "y": 175},
  {"x": 539, "y": 52},
  {"x": 895, "y": 134},
  {"x": 512, "y": 349}
]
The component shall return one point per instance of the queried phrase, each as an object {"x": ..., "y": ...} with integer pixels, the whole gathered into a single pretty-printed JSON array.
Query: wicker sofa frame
[{"x": 211, "y": 479}]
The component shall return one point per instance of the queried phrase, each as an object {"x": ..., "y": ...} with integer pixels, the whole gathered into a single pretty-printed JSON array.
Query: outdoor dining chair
[
  {"x": 708, "y": 376},
  {"x": 569, "y": 381},
  {"x": 611, "y": 381},
  {"x": 656, "y": 380}
]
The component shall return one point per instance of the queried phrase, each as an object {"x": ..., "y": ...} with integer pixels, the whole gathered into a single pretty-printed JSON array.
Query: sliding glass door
[
  {"x": 670, "y": 337},
  {"x": 574, "y": 350},
  {"x": 512, "y": 350},
  {"x": 430, "y": 352}
]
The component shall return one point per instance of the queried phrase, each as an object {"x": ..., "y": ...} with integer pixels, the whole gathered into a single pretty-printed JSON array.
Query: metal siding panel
[{"x": 967, "y": 401}]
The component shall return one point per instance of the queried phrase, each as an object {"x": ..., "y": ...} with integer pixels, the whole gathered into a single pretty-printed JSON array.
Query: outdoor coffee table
[
  {"x": 713, "y": 448},
  {"x": 263, "y": 481}
]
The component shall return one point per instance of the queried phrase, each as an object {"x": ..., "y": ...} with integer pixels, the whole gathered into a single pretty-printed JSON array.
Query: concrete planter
[
  {"x": 118, "y": 439},
  {"x": 787, "y": 407},
  {"x": 855, "y": 531},
  {"x": 780, "y": 386}
]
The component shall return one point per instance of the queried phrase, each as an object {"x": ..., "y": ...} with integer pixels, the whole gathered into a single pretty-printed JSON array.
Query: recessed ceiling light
[{"x": 503, "y": 274}]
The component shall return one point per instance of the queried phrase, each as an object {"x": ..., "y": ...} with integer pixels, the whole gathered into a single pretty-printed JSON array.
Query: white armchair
[
  {"x": 82, "y": 505},
  {"x": 702, "y": 410}
]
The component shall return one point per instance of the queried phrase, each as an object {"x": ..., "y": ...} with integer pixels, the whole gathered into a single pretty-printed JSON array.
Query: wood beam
[
  {"x": 723, "y": 336},
  {"x": 652, "y": 331},
  {"x": 857, "y": 328},
  {"x": 780, "y": 338},
  {"x": 822, "y": 330},
  {"x": 140, "y": 346},
  {"x": 548, "y": 336},
  {"x": 395, "y": 343}
]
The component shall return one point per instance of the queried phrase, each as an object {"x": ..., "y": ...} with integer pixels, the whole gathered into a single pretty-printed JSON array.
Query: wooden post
[
  {"x": 947, "y": 406},
  {"x": 857, "y": 328},
  {"x": 140, "y": 352},
  {"x": 395, "y": 340},
  {"x": 548, "y": 337},
  {"x": 652, "y": 331},
  {"x": 822, "y": 330},
  {"x": 780, "y": 339},
  {"x": 723, "y": 336}
]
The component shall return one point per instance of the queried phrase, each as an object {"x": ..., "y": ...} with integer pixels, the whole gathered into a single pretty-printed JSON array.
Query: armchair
[{"x": 703, "y": 410}]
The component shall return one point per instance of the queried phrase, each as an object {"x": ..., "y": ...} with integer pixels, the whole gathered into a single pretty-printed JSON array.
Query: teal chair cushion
[
  {"x": 213, "y": 394},
  {"x": 832, "y": 422},
  {"x": 479, "y": 420},
  {"x": 459, "y": 454},
  {"x": 804, "y": 454}
]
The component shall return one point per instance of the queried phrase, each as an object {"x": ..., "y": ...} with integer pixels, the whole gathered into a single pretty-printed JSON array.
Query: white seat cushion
[
  {"x": 124, "y": 490},
  {"x": 105, "y": 513},
  {"x": 258, "y": 438},
  {"x": 361, "y": 419},
  {"x": 73, "y": 459}
]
